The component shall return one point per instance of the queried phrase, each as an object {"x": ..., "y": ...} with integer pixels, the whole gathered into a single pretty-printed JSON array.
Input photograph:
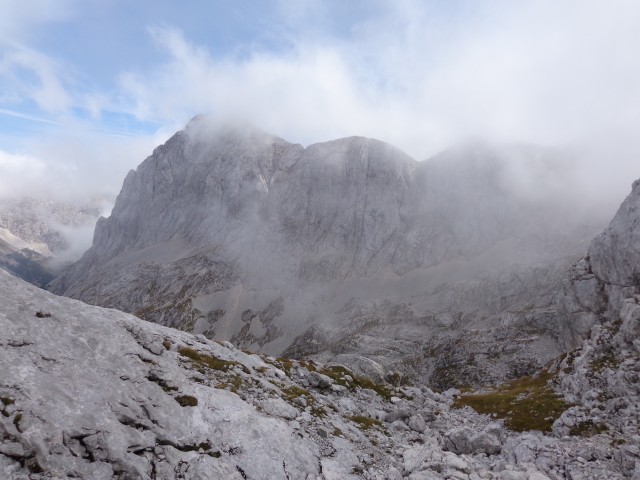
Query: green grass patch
[
  {"x": 308, "y": 364},
  {"x": 587, "y": 428},
  {"x": 201, "y": 360},
  {"x": 293, "y": 392},
  {"x": 365, "y": 423},
  {"x": 524, "y": 404},
  {"x": 338, "y": 374},
  {"x": 319, "y": 412},
  {"x": 286, "y": 364}
]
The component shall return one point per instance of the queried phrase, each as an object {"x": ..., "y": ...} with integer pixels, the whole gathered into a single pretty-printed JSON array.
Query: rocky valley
[
  {"x": 447, "y": 270},
  {"x": 331, "y": 312}
]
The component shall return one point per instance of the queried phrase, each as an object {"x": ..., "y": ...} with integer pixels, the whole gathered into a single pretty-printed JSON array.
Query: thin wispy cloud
[{"x": 31, "y": 118}]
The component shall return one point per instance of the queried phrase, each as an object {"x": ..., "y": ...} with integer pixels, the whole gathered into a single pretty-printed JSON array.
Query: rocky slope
[
  {"x": 347, "y": 249},
  {"x": 602, "y": 376},
  {"x": 88, "y": 392}
]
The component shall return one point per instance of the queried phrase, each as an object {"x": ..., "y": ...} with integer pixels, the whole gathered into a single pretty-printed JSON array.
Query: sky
[{"x": 89, "y": 87}]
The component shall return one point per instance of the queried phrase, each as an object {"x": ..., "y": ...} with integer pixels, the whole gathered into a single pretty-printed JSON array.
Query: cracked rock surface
[{"x": 95, "y": 393}]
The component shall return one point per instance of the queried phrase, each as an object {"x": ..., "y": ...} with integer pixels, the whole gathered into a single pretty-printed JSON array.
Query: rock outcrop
[
  {"x": 88, "y": 392},
  {"x": 602, "y": 376},
  {"x": 615, "y": 253}
]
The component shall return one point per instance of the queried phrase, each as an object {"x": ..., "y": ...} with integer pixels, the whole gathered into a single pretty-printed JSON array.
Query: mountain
[
  {"x": 347, "y": 250},
  {"x": 88, "y": 392},
  {"x": 38, "y": 237}
]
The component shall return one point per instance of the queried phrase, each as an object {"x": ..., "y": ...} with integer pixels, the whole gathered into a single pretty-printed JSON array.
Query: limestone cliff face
[
  {"x": 615, "y": 253},
  {"x": 340, "y": 248},
  {"x": 600, "y": 283}
]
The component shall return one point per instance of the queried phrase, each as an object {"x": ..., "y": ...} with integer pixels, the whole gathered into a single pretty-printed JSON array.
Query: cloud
[
  {"x": 14, "y": 167},
  {"x": 30, "y": 75},
  {"x": 73, "y": 167},
  {"x": 20, "y": 19},
  {"x": 547, "y": 72}
]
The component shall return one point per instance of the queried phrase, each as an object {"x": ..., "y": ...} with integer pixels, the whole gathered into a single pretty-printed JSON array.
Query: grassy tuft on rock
[
  {"x": 524, "y": 404},
  {"x": 365, "y": 423},
  {"x": 202, "y": 360},
  {"x": 187, "y": 400}
]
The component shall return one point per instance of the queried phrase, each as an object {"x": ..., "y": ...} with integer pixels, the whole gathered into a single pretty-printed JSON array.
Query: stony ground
[{"x": 95, "y": 393}]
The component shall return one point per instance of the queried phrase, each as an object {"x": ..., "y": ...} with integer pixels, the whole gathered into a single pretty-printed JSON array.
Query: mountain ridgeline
[{"x": 350, "y": 250}]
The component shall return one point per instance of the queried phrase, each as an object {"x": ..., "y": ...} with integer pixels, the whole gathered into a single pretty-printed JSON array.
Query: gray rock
[
  {"x": 397, "y": 414},
  {"x": 417, "y": 423},
  {"x": 115, "y": 409},
  {"x": 393, "y": 474},
  {"x": 279, "y": 408},
  {"x": 487, "y": 443},
  {"x": 615, "y": 253},
  {"x": 458, "y": 440},
  {"x": 12, "y": 449},
  {"x": 319, "y": 380}
]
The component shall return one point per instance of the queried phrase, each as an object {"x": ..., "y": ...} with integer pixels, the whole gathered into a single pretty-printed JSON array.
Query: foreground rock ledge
[{"x": 94, "y": 393}]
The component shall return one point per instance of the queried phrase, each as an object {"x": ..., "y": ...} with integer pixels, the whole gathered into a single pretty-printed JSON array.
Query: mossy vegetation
[
  {"x": 232, "y": 384},
  {"x": 319, "y": 412},
  {"x": 524, "y": 404},
  {"x": 16, "y": 421},
  {"x": 285, "y": 364},
  {"x": 398, "y": 379},
  {"x": 308, "y": 364},
  {"x": 604, "y": 360},
  {"x": 339, "y": 375},
  {"x": 570, "y": 359},
  {"x": 200, "y": 360},
  {"x": 587, "y": 428},
  {"x": 294, "y": 391},
  {"x": 6, "y": 401},
  {"x": 187, "y": 400},
  {"x": 365, "y": 423}
]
